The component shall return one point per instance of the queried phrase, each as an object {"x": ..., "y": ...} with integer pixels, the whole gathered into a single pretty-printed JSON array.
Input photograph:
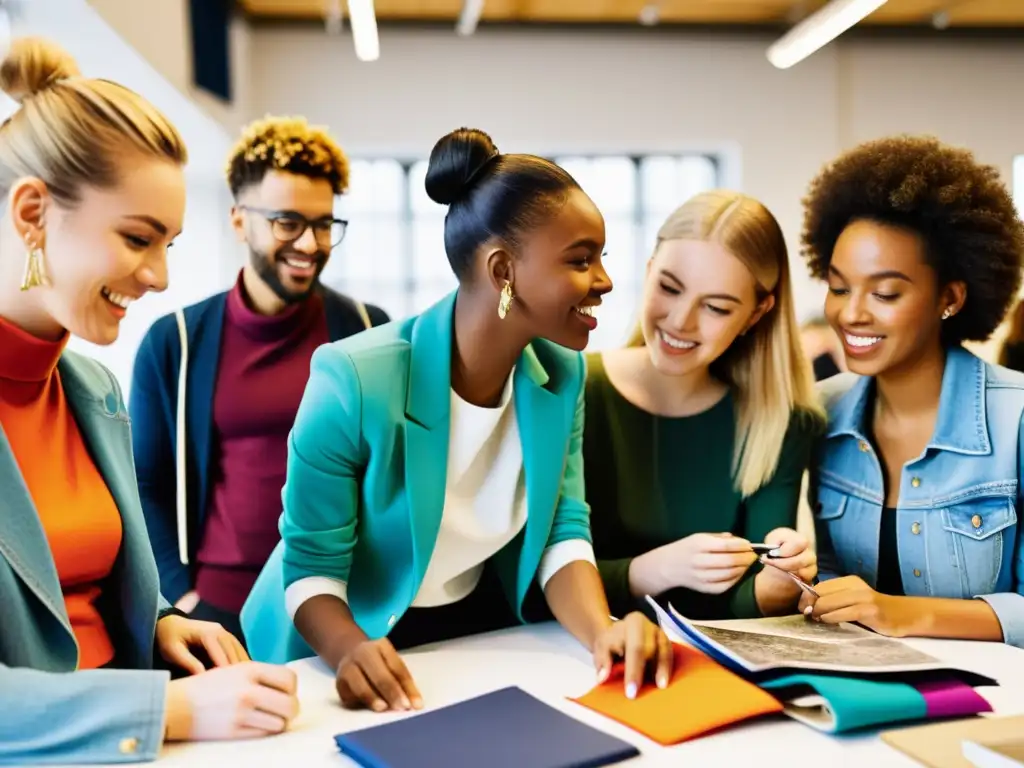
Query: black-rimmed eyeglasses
[{"x": 289, "y": 226}]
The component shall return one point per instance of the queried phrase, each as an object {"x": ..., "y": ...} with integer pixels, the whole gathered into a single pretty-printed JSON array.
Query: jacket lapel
[
  {"x": 427, "y": 427},
  {"x": 23, "y": 541},
  {"x": 540, "y": 415}
]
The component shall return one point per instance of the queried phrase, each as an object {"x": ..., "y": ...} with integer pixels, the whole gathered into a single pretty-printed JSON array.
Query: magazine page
[{"x": 794, "y": 642}]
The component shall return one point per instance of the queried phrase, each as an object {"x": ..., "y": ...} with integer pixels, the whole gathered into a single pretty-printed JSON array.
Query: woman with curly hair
[{"x": 915, "y": 487}]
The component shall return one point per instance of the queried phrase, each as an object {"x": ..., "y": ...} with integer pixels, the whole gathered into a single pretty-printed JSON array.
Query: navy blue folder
[{"x": 507, "y": 728}]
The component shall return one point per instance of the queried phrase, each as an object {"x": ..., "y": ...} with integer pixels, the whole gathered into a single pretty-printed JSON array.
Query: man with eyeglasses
[{"x": 211, "y": 455}]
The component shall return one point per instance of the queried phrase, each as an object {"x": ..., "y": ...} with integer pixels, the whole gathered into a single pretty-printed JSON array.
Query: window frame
[{"x": 410, "y": 288}]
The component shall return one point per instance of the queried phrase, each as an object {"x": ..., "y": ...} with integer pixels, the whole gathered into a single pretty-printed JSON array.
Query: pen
[{"x": 802, "y": 584}]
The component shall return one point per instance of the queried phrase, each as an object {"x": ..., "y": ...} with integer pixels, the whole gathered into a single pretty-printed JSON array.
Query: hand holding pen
[{"x": 790, "y": 567}]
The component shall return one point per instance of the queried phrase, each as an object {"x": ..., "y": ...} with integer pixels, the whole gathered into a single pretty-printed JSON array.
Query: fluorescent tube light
[
  {"x": 364, "y": 29},
  {"x": 818, "y": 30},
  {"x": 469, "y": 17}
]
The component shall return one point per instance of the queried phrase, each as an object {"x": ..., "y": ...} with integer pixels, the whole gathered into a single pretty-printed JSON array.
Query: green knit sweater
[{"x": 652, "y": 480}]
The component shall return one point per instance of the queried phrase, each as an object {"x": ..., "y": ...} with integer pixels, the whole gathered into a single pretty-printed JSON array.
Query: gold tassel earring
[
  {"x": 35, "y": 269},
  {"x": 505, "y": 302}
]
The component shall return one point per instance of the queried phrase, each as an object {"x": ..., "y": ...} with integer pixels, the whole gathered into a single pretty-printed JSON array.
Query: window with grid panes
[{"x": 393, "y": 253}]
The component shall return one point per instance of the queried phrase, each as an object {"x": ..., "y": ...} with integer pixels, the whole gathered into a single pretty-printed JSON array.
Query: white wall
[
  {"x": 159, "y": 31},
  {"x": 547, "y": 91},
  {"x": 202, "y": 260}
]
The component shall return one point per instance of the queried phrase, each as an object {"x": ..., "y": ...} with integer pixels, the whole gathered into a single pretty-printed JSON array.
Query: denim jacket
[{"x": 959, "y": 501}]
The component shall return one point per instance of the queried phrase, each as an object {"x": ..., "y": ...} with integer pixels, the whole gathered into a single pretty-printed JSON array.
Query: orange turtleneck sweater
[{"x": 78, "y": 514}]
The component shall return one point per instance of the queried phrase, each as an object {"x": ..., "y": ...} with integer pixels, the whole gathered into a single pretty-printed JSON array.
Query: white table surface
[{"x": 547, "y": 662}]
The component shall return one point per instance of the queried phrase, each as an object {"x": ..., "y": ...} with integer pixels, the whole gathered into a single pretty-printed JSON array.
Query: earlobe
[
  {"x": 766, "y": 306},
  {"x": 28, "y": 200},
  {"x": 956, "y": 297},
  {"x": 238, "y": 223},
  {"x": 499, "y": 268}
]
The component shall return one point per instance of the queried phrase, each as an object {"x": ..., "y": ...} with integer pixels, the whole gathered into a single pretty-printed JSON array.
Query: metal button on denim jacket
[{"x": 958, "y": 517}]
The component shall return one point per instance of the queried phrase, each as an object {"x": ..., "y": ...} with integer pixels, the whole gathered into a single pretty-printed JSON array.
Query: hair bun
[
  {"x": 32, "y": 65},
  {"x": 455, "y": 162}
]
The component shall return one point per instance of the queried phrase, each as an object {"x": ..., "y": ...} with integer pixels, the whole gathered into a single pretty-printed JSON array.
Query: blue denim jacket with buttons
[{"x": 959, "y": 501}]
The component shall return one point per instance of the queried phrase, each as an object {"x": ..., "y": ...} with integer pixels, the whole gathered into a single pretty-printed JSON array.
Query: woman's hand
[
  {"x": 237, "y": 702},
  {"x": 177, "y": 636},
  {"x": 774, "y": 588},
  {"x": 711, "y": 563},
  {"x": 641, "y": 644},
  {"x": 373, "y": 675},
  {"x": 850, "y": 599}
]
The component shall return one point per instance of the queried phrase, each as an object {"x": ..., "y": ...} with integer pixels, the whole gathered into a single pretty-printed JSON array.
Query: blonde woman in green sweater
[{"x": 698, "y": 432}]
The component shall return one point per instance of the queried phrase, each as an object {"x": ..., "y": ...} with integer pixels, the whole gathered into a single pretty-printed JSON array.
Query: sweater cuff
[{"x": 743, "y": 601}]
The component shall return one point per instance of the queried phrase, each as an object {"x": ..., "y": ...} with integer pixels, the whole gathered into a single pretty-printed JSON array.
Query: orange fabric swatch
[{"x": 702, "y": 696}]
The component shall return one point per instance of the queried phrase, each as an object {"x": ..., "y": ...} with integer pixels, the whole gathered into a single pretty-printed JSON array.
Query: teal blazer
[
  {"x": 51, "y": 713},
  {"x": 367, "y": 466}
]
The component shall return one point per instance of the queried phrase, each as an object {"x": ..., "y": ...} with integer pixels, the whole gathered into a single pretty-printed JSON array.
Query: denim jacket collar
[{"x": 962, "y": 423}]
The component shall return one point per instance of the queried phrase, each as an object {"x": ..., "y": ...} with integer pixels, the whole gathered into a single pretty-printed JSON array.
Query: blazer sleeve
[
  {"x": 572, "y": 515},
  {"x": 1009, "y": 606},
  {"x": 325, "y": 461},
  {"x": 91, "y": 716},
  {"x": 150, "y": 407}
]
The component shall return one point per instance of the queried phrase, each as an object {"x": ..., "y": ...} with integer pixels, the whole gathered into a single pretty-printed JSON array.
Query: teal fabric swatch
[{"x": 858, "y": 703}]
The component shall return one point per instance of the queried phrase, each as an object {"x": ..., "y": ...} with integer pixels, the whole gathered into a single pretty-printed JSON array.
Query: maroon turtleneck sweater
[{"x": 264, "y": 366}]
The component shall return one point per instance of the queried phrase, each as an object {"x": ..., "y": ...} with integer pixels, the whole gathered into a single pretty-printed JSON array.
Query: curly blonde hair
[{"x": 286, "y": 144}]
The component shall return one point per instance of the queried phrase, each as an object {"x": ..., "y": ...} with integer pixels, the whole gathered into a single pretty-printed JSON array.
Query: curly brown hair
[
  {"x": 287, "y": 144},
  {"x": 960, "y": 208}
]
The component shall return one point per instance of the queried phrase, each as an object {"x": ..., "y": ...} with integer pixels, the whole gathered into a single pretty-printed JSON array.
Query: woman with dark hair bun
[
  {"x": 435, "y": 479},
  {"x": 916, "y": 487}
]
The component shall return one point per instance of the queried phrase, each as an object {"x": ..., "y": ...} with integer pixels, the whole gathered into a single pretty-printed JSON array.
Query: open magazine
[
  {"x": 833, "y": 677},
  {"x": 792, "y": 642}
]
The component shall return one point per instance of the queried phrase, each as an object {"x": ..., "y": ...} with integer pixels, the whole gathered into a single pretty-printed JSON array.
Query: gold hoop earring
[
  {"x": 35, "y": 269},
  {"x": 505, "y": 302}
]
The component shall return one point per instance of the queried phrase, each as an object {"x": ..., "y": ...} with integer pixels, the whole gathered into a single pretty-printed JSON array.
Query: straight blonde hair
[
  {"x": 71, "y": 131},
  {"x": 766, "y": 368}
]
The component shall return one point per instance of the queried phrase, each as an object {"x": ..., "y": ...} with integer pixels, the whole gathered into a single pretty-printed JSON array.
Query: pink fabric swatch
[{"x": 951, "y": 698}]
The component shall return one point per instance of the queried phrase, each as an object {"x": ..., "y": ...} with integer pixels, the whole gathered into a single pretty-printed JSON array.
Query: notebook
[
  {"x": 507, "y": 728},
  {"x": 701, "y": 697},
  {"x": 940, "y": 745},
  {"x": 835, "y": 704}
]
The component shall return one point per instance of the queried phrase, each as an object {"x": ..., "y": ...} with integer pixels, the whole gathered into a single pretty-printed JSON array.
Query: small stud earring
[
  {"x": 947, "y": 313},
  {"x": 505, "y": 302},
  {"x": 35, "y": 269}
]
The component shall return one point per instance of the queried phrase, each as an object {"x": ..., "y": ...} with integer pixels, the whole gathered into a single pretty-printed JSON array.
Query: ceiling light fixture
[
  {"x": 364, "y": 29},
  {"x": 469, "y": 17},
  {"x": 649, "y": 15},
  {"x": 819, "y": 29},
  {"x": 333, "y": 17}
]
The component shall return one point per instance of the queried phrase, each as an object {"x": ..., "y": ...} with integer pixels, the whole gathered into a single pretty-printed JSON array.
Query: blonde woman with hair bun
[
  {"x": 93, "y": 195},
  {"x": 699, "y": 431}
]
